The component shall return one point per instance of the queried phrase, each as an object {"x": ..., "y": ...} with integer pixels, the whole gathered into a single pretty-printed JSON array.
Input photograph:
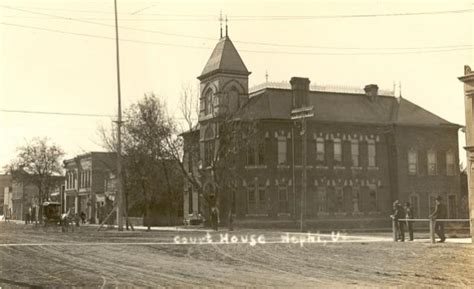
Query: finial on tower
[
  {"x": 400, "y": 88},
  {"x": 226, "y": 26},
  {"x": 266, "y": 76},
  {"x": 220, "y": 21}
]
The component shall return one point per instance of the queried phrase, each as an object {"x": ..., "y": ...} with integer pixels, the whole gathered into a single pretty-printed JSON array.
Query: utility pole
[
  {"x": 301, "y": 110},
  {"x": 304, "y": 175},
  {"x": 118, "y": 197}
]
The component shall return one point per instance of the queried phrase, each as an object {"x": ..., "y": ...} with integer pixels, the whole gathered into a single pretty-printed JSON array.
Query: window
[
  {"x": 208, "y": 153},
  {"x": 320, "y": 153},
  {"x": 255, "y": 154},
  {"x": 322, "y": 200},
  {"x": 372, "y": 198},
  {"x": 250, "y": 155},
  {"x": 282, "y": 193},
  {"x": 283, "y": 198},
  {"x": 412, "y": 162},
  {"x": 282, "y": 151},
  {"x": 431, "y": 156},
  {"x": 355, "y": 153},
  {"x": 251, "y": 195},
  {"x": 450, "y": 164},
  {"x": 209, "y": 106},
  {"x": 256, "y": 199},
  {"x": 371, "y": 152},
  {"x": 339, "y": 200},
  {"x": 337, "y": 150}
]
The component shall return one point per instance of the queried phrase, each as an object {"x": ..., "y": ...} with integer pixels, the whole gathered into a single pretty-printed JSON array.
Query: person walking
[
  {"x": 409, "y": 214},
  {"x": 399, "y": 213},
  {"x": 439, "y": 212}
]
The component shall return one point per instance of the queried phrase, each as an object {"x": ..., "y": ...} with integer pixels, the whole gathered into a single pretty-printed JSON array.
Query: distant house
[
  {"x": 85, "y": 182},
  {"x": 5, "y": 187},
  {"x": 22, "y": 198},
  {"x": 366, "y": 148}
]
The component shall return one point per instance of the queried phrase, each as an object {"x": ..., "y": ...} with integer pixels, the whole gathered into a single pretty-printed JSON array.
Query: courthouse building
[{"x": 365, "y": 148}]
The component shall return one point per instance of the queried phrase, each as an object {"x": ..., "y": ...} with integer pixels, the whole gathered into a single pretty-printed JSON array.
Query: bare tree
[
  {"x": 188, "y": 105},
  {"x": 38, "y": 163}
]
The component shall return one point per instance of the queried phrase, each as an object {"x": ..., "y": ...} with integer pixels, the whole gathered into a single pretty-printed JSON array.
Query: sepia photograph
[{"x": 236, "y": 144}]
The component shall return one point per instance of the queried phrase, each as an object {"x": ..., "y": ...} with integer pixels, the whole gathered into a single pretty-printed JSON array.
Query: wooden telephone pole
[{"x": 118, "y": 197}]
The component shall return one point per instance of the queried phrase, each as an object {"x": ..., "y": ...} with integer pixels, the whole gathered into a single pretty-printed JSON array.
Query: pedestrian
[
  {"x": 398, "y": 214},
  {"x": 439, "y": 213},
  {"x": 215, "y": 218},
  {"x": 83, "y": 217},
  {"x": 409, "y": 214},
  {"x": 231, "y": 221},
  {"x": 27, "y": 218}
]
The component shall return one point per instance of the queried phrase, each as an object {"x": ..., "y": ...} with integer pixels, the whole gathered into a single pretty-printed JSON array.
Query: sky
[{"x": 59, "y": 56}]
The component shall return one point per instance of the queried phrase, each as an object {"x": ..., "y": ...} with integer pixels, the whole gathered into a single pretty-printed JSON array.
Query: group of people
[{"x": 403, "y": 216}]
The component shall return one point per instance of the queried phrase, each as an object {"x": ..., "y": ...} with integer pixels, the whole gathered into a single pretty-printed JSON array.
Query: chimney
[
  {"x": 300, "y": 89},
  {"x": 371, "y": 90}
]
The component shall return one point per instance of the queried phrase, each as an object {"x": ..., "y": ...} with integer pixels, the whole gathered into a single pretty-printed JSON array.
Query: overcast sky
[{"x": 59, "y": 56}]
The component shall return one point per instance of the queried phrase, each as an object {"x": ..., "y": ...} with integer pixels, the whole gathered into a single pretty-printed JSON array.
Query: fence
[{"x": 431, "y": 224}]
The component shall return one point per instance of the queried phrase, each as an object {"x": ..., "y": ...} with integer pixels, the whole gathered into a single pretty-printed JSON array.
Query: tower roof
[{"x": 224, "y": 58}]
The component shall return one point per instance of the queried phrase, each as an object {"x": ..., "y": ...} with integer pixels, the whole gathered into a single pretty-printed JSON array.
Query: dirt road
[{"x": 37, "y": 258}]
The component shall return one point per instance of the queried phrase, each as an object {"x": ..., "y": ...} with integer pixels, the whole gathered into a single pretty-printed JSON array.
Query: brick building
[
  {"x": 5, "y": 186},
  {"x": 88, "y": 176},
  {"x": 365, "y": 149}
]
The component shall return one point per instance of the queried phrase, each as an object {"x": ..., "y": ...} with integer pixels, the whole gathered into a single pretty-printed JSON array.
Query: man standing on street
[
  {"x": 399, "y": 225},
  {"x": 439, "y": 213},
  {"x": 409, "y": 215}
]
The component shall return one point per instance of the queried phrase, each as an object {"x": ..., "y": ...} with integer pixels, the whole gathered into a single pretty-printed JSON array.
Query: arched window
[
  {"x": 208, "y": 99},
  {"x": 208, "y": 147}
]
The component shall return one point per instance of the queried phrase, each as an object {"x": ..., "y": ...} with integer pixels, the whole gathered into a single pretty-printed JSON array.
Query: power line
[
  {"x": 241, "y": 50},
  {"x": 56, "y": 113},
  {"x": 260, "y": 17},
  {"x": 237, "y": 41}
]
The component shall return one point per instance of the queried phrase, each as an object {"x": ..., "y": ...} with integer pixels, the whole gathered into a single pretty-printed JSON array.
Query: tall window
[
  {"x": 209, "y": 105},
  {"x": 283, "y": 198},
  {"x": 371, "y": 152},
  {"x": 339, "y": 200},
  {"x": 355, "y": 153},
  {"x": 250, "y": 154},
  {"x": 255, "y": 153},
  {"x": 282, "y": 151},
  {"x": 208, "y": 153},
  {"x": 412, "y": 162},
  {"x": 431, "y": 156},
  {"x": 320, "y": 153},
  {"x": 322, "y": 200},
  {"x": 337, "y": 150},
  {"x": 450, "y": 166},
  {"x": 373, "y": 198},
  {"x": 256, "y": 199}
]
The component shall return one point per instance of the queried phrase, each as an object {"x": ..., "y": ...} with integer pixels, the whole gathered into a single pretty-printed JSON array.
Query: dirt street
[{"x": 35, "y": 258}]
